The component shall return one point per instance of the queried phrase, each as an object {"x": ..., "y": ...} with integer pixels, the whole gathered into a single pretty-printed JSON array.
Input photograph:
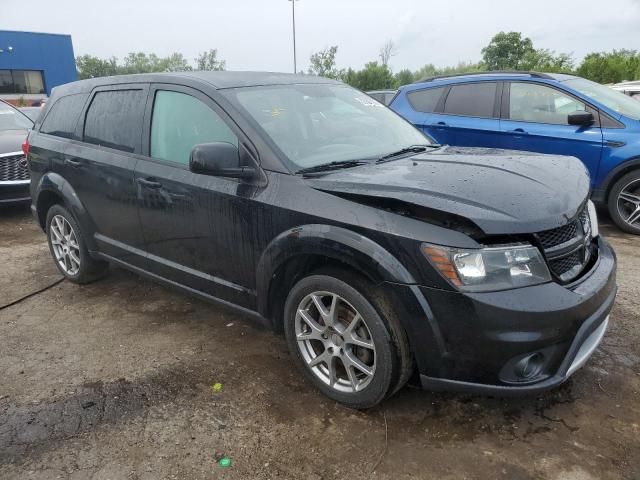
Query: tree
[
  {"x": 323, "y": 63},
  {"x": 373, "y": 77},
  {"x": 507, "y": 51},
  {"x": 174, "y": 63},
  {"x": 612, "y": 67},
  {"x": 387, "y": 51},
  {"x": 209, "y": 61},
  {"x": 430, "y": 70},
  {"x": 89, "y": 66},
  {"x": 403, "y": 77},
  {"x": 543, "y": 60}
]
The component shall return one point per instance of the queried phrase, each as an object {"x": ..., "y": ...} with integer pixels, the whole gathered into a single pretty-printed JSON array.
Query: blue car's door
[
  {"x": 469, "y": 115},
  {"x": 535, "y": 119}
]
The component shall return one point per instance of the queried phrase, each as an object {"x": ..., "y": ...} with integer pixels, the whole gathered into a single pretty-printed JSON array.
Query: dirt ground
[{"x": 114, "y": 381}]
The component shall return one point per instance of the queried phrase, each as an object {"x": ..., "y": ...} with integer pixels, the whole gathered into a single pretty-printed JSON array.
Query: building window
[{"x": 21, "y": 81}]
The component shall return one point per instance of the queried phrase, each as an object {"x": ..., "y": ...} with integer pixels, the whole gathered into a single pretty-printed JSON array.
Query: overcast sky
[{"x": 256, "y": 34}]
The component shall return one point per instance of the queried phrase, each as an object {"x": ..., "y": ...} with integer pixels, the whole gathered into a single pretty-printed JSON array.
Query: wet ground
[{"x": 114, "y": 381}]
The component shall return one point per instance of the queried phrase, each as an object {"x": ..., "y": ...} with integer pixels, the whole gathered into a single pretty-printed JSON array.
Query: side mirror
[
  {"x": 580, "y": 118},
  {"x": 221, "y": 159}
]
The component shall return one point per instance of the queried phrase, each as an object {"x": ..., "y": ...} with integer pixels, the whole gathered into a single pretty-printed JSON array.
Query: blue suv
[{"x": 539, "y": 112}]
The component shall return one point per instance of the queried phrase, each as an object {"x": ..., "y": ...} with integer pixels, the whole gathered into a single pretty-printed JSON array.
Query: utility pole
[{"x": 293, "y": 13}]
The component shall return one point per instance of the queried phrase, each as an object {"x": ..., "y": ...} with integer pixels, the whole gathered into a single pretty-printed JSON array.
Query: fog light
[{"x": 529, "y": 366}]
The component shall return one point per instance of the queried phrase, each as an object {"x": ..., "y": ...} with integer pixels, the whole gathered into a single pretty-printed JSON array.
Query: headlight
[
  {"x": 489, "y": 269},
  {"x": 593, "y": 219}
]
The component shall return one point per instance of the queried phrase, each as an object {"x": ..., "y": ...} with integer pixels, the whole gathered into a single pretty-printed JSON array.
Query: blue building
[{"x": 31, "y": 64}]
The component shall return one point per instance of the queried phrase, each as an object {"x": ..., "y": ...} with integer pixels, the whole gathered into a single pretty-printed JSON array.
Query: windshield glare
[
  {"x": 12, "y": 119},
  {"x": 616, "y": 101},
  {"x": 317, "y": 124}
]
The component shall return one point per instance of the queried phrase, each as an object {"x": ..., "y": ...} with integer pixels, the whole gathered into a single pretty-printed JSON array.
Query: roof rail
[{"x": 487, "y": 72}]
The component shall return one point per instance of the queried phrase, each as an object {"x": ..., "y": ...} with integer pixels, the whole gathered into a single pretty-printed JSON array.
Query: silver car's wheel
[
  {"x": 335, "y": 342},
  {"x": 629, "y": 203},
  {"x": 64, "y": 243}
]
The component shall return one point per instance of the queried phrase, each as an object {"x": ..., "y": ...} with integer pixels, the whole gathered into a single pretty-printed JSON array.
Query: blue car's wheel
[{"x": 624, "y": 202}]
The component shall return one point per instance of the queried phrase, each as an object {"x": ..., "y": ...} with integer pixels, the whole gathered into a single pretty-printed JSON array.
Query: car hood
[
  {"x": 500, "y": 191},
  {"x": 12, "y": 140}
]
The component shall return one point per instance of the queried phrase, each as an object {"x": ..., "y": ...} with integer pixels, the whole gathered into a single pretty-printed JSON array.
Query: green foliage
[
  {"x": 507, "y": 51},
  {"x": 543, "y": 60},
  {"x": 323, "y": 63},
  {"x": 373, "y": 77},
  {"x": 431, "y": 70},
  {"x": 614, "y": 67},
  {"x": 89, "y": 66},
  {"x": 209, "y": 61},
  {"x": 403, "y": 77}
]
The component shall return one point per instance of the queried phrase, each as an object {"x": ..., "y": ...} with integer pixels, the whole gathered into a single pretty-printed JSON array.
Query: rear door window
[
  {"x": 181, "y": 121},
  {"x": 114, "y": 119},
  {"x": 63, "y": 116},
  {"x": 425, "y": 100},
  {"x": 472, "y": 99}
]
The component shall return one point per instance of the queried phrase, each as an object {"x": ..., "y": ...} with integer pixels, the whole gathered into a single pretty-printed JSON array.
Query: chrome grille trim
[{"x": 12, "y": 171}]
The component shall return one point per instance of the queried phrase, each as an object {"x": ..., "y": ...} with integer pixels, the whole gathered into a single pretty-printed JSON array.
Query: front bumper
[
  {"x": 518, "y": 341},
  {"x": 14, "y": 191}
]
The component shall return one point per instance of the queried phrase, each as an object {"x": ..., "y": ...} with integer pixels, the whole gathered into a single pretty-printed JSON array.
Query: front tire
[
  {"x": 68, "y": 248},
  {"x": 624, "y": 202},
  {"x": 341, "y": 342}
]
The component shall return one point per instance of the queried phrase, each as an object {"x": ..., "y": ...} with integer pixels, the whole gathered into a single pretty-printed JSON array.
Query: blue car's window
[
  {"x": 472, "y": 99},
  {"x": 532, "y": 102},
  {"x": 425, "y": 100},
  {"x": 179, "y": 122},
  {"x": 616, "y": 101}
]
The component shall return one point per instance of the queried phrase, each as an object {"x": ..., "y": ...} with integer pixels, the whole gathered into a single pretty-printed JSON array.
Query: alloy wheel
[
  {"x": 65, "y": 245},
  {"x": 629, "y": 203},
  {"x": 335, "y": 342}
]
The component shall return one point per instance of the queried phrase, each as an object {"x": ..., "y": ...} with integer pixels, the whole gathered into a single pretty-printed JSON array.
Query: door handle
[
  {"x": 519, "y": 131},
  {"x": 149, "y": 183},
  {"x": 440, "y": 124},
  {"x": 72, "y": 163}
]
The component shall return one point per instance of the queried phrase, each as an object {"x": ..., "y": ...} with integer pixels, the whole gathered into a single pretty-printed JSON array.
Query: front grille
[
  {"x": 565, "y": 264},
  {"x": 13, "y": 167},
  {"x": 568, "y": 248},
  {"x": 552, "y": 238}
]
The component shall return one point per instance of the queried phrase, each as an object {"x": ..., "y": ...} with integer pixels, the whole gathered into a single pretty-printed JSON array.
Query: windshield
[
  {"x": 12, "y": 119},
  {"x": 616, "y": 101},
  {"x": 318, "y": 124}
]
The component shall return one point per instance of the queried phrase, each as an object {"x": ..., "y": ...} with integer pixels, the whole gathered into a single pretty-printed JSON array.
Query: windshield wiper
[
  {"x": 411, "y": 149},
  {"x": 337, "y": 165}
]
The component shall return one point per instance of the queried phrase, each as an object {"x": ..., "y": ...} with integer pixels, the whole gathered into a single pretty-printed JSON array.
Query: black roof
[{"x": 215, "y": 79}]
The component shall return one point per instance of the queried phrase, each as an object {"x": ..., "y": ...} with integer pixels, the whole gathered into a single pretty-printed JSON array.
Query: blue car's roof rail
[{"x": 488, "y": 72}]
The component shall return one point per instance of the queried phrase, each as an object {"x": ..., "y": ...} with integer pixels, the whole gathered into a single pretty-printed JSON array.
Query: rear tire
[
  {"x": 624, "y": 202},
  {"x": 68, "y": 248},
  {"x": 349, "y": 351}
]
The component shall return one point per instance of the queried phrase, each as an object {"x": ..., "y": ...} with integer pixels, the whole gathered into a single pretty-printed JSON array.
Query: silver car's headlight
[
  {"x": 593, "y": 219},
  {"x": 491, "y": 268}
]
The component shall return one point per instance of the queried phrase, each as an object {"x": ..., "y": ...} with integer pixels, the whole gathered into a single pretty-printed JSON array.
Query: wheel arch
[
  {"x": 300, "y": 250},
  {"x": 616, "y": 174},
  {"x": 54, "y": 189}
]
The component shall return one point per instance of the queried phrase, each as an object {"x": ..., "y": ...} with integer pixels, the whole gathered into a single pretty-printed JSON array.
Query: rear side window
[
  {"x": 63, "y": 116},
  {"x": 114, "y": 119},
  {"x": 472, "y": 99},
  {"x": 179, "y": 122},
  {"x": 425, "y": 100}
]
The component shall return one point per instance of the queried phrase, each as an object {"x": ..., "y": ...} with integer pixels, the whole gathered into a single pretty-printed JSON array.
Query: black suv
[{"x": 315, "y": 209}]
